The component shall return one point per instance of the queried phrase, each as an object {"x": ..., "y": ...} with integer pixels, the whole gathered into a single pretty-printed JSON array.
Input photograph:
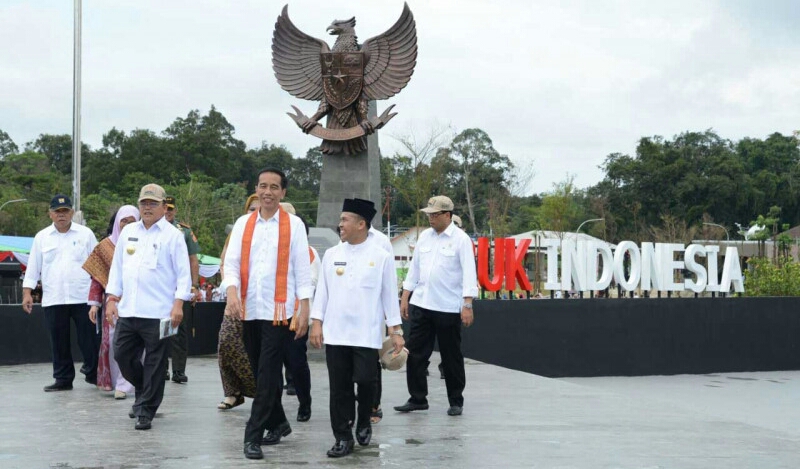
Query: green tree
[{"x": 7, "y": 146}]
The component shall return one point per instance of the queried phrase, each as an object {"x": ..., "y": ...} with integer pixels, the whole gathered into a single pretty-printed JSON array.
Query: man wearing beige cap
[
  {"x": 149, "y": 281},
  {"x": 443, "y": 278}
]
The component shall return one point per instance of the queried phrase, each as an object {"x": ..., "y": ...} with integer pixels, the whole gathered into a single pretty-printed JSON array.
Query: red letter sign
[{"x": 496, "y": 282}]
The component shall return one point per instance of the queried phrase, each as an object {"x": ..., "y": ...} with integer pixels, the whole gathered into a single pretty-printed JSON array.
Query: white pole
[{"x": 76, "y": 115}]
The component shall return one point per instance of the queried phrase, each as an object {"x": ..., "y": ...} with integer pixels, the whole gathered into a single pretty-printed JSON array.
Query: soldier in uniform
[{"x": 180, "y": 343}]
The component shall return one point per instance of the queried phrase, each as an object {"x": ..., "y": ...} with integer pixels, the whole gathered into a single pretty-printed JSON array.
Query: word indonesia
[{"x": 591, "y": 265}]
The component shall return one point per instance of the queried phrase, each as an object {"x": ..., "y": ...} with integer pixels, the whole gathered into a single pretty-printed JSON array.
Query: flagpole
[{"x": 76, "y": 115}]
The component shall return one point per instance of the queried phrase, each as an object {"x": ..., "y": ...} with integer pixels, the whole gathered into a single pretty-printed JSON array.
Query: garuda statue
[{"x": 344, "y": 79}]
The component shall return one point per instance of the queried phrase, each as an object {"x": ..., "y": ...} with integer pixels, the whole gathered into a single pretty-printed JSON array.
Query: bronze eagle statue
[{"x": 345, "y": 78}]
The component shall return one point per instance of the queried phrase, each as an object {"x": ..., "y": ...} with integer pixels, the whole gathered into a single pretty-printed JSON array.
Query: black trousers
[
  {"x": 132, "y": 336},
  {"x": 426, "y": 327},
  {"x": 376, "y": 401},
  {"x": 266, "y": 347},
  {"x": 179, "y": 347},
  {"x": 348, "y": 365},
  {"x": 297, "y": 371},
  {"x": 56, "y": 319}
]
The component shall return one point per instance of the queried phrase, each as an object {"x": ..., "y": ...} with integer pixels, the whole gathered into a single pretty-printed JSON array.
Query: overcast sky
[{"x": 562, "y": 84}]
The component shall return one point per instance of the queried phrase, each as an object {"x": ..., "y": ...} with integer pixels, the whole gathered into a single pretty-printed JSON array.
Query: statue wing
[
  {"x": 295, "y": 59},
  {"x": 390, "y": 58}
]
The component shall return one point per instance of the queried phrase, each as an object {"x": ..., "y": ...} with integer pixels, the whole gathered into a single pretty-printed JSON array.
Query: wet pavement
[{"x": 511, "y": 419}]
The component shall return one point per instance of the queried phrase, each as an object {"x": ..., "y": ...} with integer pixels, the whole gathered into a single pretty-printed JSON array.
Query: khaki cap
[
  {"x": 288, "y": 207},
  {"x": 457, "y": 220},
  {"x": 439, "y": 203},
  {"x": 152, "y": 192},
  {"x": 389, "y": 360}
]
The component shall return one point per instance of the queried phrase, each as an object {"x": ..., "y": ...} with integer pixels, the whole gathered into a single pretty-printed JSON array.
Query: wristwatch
[
  {"x": 398, "y": 332},
  {"x": 467, "y": 305}
]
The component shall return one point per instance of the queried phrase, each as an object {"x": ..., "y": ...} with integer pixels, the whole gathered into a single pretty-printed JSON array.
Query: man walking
[
  {"x": 57, "y": 258},
  {"x": 180, "y": 342},
  {"x": 443, "y": 278},
  {"x": 149, "y": 281},
  {"x": 267, "y": 270},
  {"x": 353, "y": 331}
]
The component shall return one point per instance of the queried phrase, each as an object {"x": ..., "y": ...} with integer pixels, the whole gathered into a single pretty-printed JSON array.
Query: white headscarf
[{"x": 124, "y": 212}]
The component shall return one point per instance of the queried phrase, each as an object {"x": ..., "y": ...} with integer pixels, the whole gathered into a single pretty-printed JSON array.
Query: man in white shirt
[
  {"x": 149, "y": 281},
  {"x": 356, "y": 295},
  {"x": 57, "y": 258},
  {"x": 443, "y": 278},
  {"x": 267, "y": 270}
]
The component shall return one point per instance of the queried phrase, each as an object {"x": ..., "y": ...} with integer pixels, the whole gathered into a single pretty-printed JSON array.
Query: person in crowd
[
  {"x": 266, "y": 271},
  {"x": 98, "y": 265},
  {"x": 148, "y": 284},
  {"x": 353, "y": 331},
  {"x": 56, "y": 258},
  {"x": 180, "y": 343},
  {"x": 298, "y": 375},
  {"x": 238, "y": 381},
  {"x": 443, "y": 278}
]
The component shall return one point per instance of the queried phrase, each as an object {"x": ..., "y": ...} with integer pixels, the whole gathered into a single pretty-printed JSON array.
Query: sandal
[
  {"x": 376, "y": 415},
  {"x": 227, "y": 404}
]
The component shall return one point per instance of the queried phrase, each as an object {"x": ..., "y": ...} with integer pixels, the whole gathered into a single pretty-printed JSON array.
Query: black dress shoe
[
  {"x": 62, "y": 386},
  {"x": 455, "y": 410},
  {"x": 252, "y": 450},
  {"x": 364, "y": 435},
  {"x": 144, "y": 423},
  {"x": 304, "y": 413},
  {"x": 273, "y": 437},
  {"x": 91, "y": 379},
  {"x": 131, "y": 413},
  {"x": 179, "y": 377},
  {"x": 409, "y": 406},
  {"x": 341, "y": 448}
]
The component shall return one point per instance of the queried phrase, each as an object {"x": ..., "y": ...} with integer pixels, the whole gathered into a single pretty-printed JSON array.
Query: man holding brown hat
[
  {"x": 353, "y": 330},
  {"x": 443, "y": 277}
]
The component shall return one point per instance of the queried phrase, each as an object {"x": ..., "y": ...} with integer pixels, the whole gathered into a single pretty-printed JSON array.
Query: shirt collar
[
  {"x": 273, "y": 217},
  {"x": 54, "y": 230}
]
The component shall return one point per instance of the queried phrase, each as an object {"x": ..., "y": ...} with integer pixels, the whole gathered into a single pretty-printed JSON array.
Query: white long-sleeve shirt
[
  {"x": 57, "y": 260},
  {"x": 356, "y": 293},
  {"x": 442, "y": 272},
  {"x": 150, "y": 270},
  {"x": 260, "y": 301},
  {"x": 382, "y": 240}
]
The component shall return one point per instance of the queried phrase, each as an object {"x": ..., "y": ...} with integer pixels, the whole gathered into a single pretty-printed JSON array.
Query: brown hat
[
  {"x": 288, "y": 207},
  {"x": 439, "y": 203},
  {"x": 152, "y": 192},
  {"x": 389, "y": 360}
]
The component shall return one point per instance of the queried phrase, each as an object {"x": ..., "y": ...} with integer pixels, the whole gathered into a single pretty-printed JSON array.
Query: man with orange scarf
[{"x": 266, "y": 271}]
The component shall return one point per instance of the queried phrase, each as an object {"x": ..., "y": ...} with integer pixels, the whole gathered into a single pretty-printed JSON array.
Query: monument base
[{"x": 350, "y": 176}]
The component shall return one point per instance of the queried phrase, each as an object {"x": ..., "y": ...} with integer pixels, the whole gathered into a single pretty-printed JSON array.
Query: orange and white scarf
[{"x": 281, "y": 273}]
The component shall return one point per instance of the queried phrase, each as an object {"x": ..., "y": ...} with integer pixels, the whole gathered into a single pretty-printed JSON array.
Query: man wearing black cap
[
  {"x": 180, "y": 343},
  {"x": 353, "y": 331},
  {"x": 57, "y": 258}
]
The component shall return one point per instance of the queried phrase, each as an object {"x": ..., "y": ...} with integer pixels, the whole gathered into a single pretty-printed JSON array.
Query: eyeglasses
[
  {"x": 434, "y": 215},
  {"x": 149, "y": 204}
]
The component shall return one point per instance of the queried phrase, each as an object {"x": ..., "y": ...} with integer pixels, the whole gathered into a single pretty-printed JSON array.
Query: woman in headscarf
[
  {"x": 234, "y": 366},
  {"x": 98, "y": 266}
]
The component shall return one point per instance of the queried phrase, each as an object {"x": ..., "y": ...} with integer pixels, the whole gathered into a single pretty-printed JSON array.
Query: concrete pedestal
[{"x": 350, "y": 176}]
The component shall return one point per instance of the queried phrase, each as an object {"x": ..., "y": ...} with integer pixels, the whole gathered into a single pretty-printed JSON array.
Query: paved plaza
[{"x": 511, "y": 420}]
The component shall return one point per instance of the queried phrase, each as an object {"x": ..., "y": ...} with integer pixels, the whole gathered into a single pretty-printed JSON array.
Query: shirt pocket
[
  {"x": 448, "y": 257},
  {"x": 150, "y": 260},
  {"x": 369, "y": 278},
  {"x": 78, "y": 249},
  {"x": 49, "y": 253}
]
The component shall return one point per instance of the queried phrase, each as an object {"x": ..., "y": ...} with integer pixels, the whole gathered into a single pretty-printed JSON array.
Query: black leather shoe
[
  {"x": 290, "y": 390},
  {"x": 131, "y": 413},
  {"x": 91, "y": 379},
  {"x": 410, "y": 406},
  {"x": 62, "y": 386},
  {"x": 274, "y": 436},
  {"x": 455, "y": 410},
  {"x": 144, "y": 423},
  {"x": 341, "y": 448},
  {"x": 252, "y": 450},
  {"x": 179, "y": 377},
  {"x": 364, "y": 435},
  {"x": 304, "y": 413}
]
